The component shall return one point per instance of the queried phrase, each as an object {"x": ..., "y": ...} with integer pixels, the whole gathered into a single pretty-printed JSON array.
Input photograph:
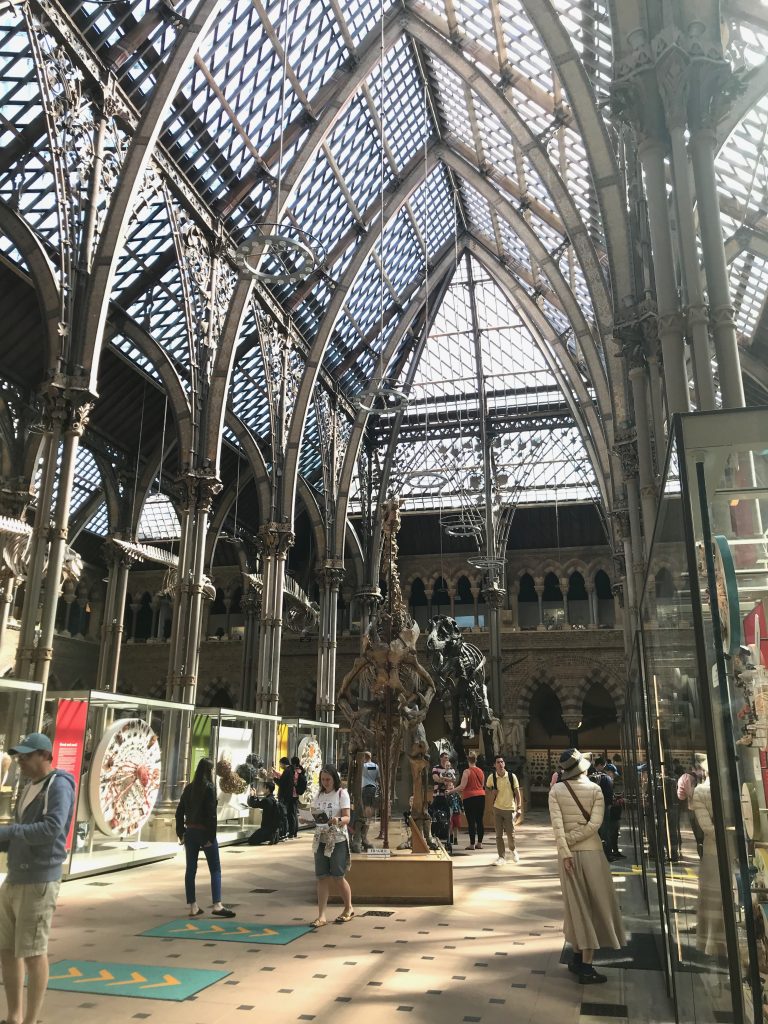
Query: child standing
[{"x": 454, "y": 802}]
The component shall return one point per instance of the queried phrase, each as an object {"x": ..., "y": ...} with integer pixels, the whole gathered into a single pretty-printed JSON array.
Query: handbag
[{"x": 579, "y": 804}]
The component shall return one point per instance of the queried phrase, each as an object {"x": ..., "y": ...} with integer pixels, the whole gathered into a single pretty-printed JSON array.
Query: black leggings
[{"x": 474, "y": 809}]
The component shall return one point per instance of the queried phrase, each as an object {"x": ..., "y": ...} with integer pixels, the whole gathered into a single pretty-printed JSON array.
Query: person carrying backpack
[
  {"x": 299, "y": 780},
  {"x": 507, "y": 808}
]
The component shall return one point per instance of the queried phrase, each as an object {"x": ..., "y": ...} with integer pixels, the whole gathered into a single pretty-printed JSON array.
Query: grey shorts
[
  {"x": 369, "y": 794},
  {"x": 335, "y": 866},
  {"x": 25, "y": 916}
]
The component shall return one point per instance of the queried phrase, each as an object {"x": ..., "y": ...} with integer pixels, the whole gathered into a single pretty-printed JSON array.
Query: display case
[
  {"x": 701, "y": 713},
  {"x": 314, "y": 743},
  {"x": 234, "y": 742},
  {"x": 129, "y": 756}
]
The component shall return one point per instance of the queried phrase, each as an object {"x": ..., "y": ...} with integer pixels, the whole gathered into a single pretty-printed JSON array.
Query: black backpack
[{"x": 301, "y": 783}]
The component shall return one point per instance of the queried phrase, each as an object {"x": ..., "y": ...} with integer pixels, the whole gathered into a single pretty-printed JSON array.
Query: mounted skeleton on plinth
[{"x": 385, "y": 698}]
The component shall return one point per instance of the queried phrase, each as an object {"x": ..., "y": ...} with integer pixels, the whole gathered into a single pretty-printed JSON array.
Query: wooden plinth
[{"x": 405, "y": 878}]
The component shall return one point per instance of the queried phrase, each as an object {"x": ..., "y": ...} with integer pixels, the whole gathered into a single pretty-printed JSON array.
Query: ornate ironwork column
[
  {"x": 275, "y": 540},
  {"x": 250, "y": 603}
]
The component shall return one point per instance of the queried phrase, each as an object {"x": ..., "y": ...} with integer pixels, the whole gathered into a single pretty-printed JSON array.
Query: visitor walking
[
  {"x": 36, "y": 844},
  {"x": 286, "y": 784},
  {"x": 592, "y": 917},
  {"x": 331, "y": 811},
  {"x": 472, "y": 792},
  {"x": 196, "y": 829},
  {"x": 507, "y": 808},
  {"x": 299, "y": 789}
]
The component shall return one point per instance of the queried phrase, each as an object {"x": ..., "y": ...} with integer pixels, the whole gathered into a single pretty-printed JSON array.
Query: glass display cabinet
[
  {"x": 233, "y": 741},
  {"x": 315, "y": 744},
  {"x": 702, "y": 715},
  {"x": 130, "y": 757}
]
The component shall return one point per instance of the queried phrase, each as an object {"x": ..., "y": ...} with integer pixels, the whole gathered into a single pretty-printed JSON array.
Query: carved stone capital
[
  {"x": 621, "y": 519},
  {"x": 722, "y": 316},
  {"x": 673, "y": 76},
  {"x": 625, "y": 448},
  {"x": 697, "y": 316},
  {"x": 671, "y": 323},
  {"x": 275, "y": 539},
  {"x": 332, "y": 573},
  {"x": 494, "y": 596}
]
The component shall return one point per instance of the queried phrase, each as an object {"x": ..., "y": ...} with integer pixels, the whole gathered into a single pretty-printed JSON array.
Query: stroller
[{"x": 440, "y": 813}]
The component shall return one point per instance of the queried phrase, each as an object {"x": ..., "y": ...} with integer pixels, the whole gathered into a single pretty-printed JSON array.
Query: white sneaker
[
  {"x": 500, "y": 861},
  {"x": 515, "y": 856}
]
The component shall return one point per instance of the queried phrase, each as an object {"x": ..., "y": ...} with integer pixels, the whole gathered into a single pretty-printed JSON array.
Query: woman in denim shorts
[{"x": 331, "y": 809}]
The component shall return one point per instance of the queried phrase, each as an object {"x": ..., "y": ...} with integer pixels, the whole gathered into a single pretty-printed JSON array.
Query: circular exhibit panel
[{"x": 124, "y": 777}]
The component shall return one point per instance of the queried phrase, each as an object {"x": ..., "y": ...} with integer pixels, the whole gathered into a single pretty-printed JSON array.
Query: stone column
[
  {"x": 331, "y": 576},
  {"x": 275, "y": 540},
  {"x": 475, "y": 600},
  {"x": 368, "y": 599},
  {"x": 38, "y": 547},
  {"x": 703, "y": 146},
  {"x": 673, "y": 78},
  {"x": 119, "y": 562},
  {"x": 645, "y": 464},
  {"x": 251, "y": 606},
  {"x": 651, "y": 152},
  {"x": 452, "y": 598},
  {"x": 74, "y": 419},
  {"x": 592, "y": 602},
  {"x": 538, "y": 586},
  {"x": 564, "y": 584},
  {"x": 135, "y": 607},
  {"x": 9, "y": 582}
]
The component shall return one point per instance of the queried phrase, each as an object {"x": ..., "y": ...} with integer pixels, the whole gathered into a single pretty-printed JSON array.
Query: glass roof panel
[
  {"x": 87, "y": 481},
  {"x": 158, "y": 519},
  {"x": 99, "y": 522}
]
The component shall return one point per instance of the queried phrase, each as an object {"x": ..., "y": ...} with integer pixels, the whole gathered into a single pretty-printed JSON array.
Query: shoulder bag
[{"x": 578, "y": 802}]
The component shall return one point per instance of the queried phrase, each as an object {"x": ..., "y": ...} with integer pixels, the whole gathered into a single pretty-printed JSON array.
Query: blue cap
[{"x": 35, "y": 741}]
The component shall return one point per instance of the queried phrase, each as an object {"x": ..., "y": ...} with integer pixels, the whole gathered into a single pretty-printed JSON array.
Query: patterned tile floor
[{"x": 492, "y": 957}]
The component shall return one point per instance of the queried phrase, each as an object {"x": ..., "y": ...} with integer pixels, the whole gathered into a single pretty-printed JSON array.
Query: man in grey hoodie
[{"x": 36, "y": 843}]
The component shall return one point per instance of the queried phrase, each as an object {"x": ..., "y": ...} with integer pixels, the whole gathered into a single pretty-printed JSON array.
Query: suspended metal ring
[
  {"x": 392, "y": 400},
  {"x": 253, "y": 254}
]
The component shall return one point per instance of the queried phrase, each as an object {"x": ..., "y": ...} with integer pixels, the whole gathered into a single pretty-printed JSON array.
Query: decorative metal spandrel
[
  {"x": 284, "y": 367},
  {"x": 334, "y": 431},
  {"x": 85, "y": 139}
]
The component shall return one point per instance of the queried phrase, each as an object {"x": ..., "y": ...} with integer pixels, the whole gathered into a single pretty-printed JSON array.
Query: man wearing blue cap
[{"x": 36, "y": 844}]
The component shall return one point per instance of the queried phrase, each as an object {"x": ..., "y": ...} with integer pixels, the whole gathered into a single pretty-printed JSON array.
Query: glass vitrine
[
  {"x": 234, "y": 740},
  {"x": 130, "y": 758},
  {"x": 705, "y": 683}
]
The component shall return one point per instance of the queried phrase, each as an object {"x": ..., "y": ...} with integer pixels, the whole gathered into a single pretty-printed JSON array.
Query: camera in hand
[{"x": 321, "y": 818}]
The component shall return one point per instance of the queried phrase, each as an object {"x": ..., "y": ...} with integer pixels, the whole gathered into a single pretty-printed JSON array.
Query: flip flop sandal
[
  {"x": 319, "y": 922},
  {"x": 343, "y": 918}
]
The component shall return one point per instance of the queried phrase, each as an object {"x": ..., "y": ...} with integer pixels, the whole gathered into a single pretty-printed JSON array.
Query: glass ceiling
[{"x": 446, "y": 124}]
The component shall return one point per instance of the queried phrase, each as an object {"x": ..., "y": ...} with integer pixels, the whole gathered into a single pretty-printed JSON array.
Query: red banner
[{"x": 68, "y": 743}]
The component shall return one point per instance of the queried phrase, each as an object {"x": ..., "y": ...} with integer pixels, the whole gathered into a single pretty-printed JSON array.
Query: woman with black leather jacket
[{"x": 196, "y": 829}]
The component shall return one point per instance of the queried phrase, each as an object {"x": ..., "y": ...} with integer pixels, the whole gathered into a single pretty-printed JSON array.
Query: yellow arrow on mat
[
  {"x": 187, "y": 928},
  {"x": 103, "y": 976},
  {"x": 232, "y": 931},
  {"x": 267, "y": 931},
  {"x": 135, "y": 979},
  {"x": 71, "y": 973},
  {"x": 169, "y": 980}
]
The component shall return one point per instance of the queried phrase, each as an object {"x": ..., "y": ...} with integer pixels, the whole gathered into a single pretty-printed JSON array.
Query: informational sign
[
  {"x": 201, "y": 740},
  {"x": 229, "y": 931},
  {"x": 141, "y": 981},
  {"x": 68, "y": 744}
]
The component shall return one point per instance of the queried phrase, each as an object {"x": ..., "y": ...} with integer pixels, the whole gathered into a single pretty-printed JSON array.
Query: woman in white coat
[{"x": 592, "y": 915}]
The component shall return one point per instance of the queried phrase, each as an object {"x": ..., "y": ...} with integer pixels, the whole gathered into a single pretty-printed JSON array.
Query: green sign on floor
[
  {"x": 229, "y": 931},
  {"x": 138, "y": 980}
]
